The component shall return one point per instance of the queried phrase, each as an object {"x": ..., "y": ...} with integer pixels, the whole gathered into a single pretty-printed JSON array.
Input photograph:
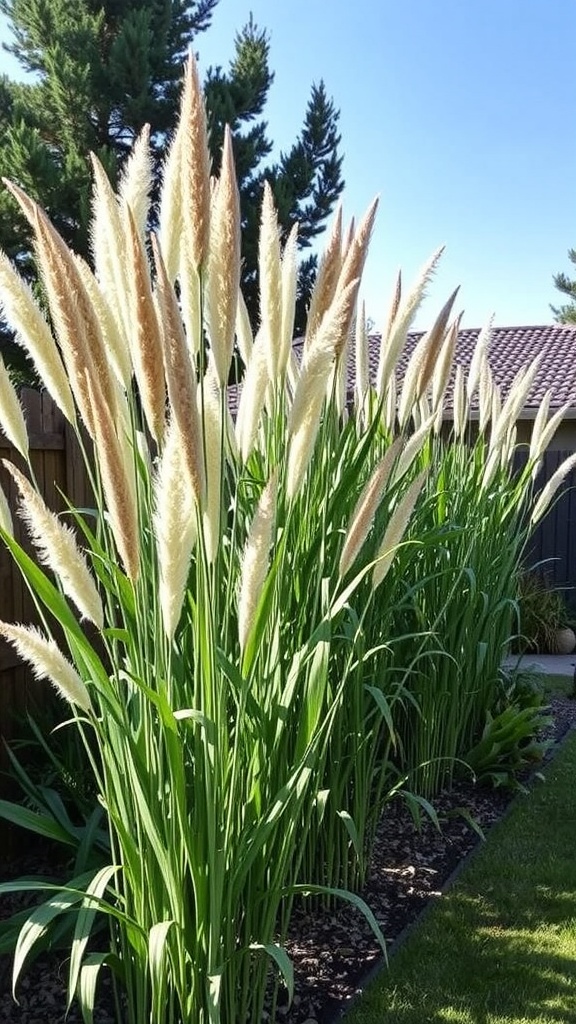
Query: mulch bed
[{"x": 333, "y": 951}]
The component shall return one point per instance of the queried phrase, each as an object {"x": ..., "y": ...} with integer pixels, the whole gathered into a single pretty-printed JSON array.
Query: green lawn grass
[
  {"x": 554, "y": 686},
  {"x": 500, "y": 947}
]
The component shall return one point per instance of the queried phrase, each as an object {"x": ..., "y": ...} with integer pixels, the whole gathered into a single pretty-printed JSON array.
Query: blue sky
[{"x": 458, "y": 114}]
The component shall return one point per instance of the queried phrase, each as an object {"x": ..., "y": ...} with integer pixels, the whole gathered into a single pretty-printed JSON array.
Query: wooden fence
[{"x": 59, "y": 469}]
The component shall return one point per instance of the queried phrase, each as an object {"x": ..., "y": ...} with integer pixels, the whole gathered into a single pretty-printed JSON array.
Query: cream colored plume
[
  {"x": 389, "y": 404},
  {"x": 549, "y": 491},
  {"x": 117, "y": 351},
  {"x": 211, "y": 411},
  {"x": 423, "y": 361},
  {"x": 57, "y": 548},
  {"x": 136, "y": 181},
  {"x": 24, "y": 316},
  {"x": 326, "y": 279},
  {"x": 252, "y": 400},
  {"x": 170, "y": 216},
  {"x": 108, "y": 247},
  {"x": 12, "y": 421},
  {"x": 191, "y": 303},
  {"x": 145, "y": 341},
  {"x": 175, "y": 528},
  {"x": 512, "y": 407},
  {"x": 255, "y": 558},
  {"x": 397, "y": 528},
  {"x": 366, "y": 508},
  {"x": 223, "y": 271},
  {"x": 478, "y": 360},
  {"x": 48, "y": 662},
  {"x": 180, "y": 377},
  {"x": 244, "y": 335},
  {"x": 353, "y": 268},
  {"x": 317, "y": 362},
  {"x": 6, "y": 523},
  {"x": 76, "y": 322},
  {"x": 361, "y": 378},
  {"x": 270, "y": 276},
  {"x": 412, "y": 448},
  {"x": 402, "y": 320},
  {"x": 444, "y": 363},
  {"x": 543, "y": 432},
  {"x": 117, "y": 483},
  {"x": 195, "y": 175},
  {"x": 459, "y": 403},
  {"x": 485, "y": 395},
  {"x": 289, "y": 285}
]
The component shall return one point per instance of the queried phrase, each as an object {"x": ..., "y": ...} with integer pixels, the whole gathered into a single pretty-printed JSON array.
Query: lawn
[{"x": 500, "y": 947}]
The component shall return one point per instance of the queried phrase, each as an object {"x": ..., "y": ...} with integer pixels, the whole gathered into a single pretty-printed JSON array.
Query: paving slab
[{"x": 550, "y": 664}]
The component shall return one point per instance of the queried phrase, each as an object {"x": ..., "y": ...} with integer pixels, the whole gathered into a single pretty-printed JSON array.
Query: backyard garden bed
[{"x": 333, "y": 951}]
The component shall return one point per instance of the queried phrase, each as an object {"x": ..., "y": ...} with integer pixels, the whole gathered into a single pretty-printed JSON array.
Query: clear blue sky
[{"x": 459, "y": 114}]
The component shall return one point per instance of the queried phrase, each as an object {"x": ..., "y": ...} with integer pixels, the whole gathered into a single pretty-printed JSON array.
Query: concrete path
[{"x": 551, "y": 664}]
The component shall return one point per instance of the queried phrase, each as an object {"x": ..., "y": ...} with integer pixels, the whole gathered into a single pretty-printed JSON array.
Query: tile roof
[{"x": 510, "y": 348}]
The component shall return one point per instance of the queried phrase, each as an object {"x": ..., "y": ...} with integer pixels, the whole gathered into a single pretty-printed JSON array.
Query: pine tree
[
  {"x": 566, "y": 314},
  {"x": 100, "y": 70}
]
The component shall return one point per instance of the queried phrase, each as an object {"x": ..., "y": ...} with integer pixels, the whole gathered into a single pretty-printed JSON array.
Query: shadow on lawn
[{"x": 473, "y": 964}]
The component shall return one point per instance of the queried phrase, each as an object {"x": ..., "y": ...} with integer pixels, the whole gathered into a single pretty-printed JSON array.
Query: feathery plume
[
  {"x": 244, "y": 334},
  {"x": 397, "y": 528},
  {"x": 478, "y": 359},
  {"x": 117, "y": 483},
  {"x": 304, "y": 420},
  {"x": 254, "y": 565},
  {"x": 543, "y": 434},
  {"x": 485, "y": 392},
  {"x": 175, "y": 528},
  {"x": 402, "y": 320},
  {"x": 108, "y": 248},
  {"x": 361, "y": 379},
  {"x": 117, "y": 351},
  {"x": 223, "y": 269},
  {"x": 270, "y": 282},
  {"x": 516, "y": 399},
  {"x": 549, "y": 491},
  {"x": 412, "y": 448},
  {"x": 74, "y": 317},
  {"x": 136, "y": 181},
  {"x": 56, "y": 546},
  {"x": 146, "y": 345},
  {"x": 366, "y": 508},
  {"x": 24, "y": 316},
  {"x": 353, "y": 267},
  {"x": 444, "y": 363},
  {"x": 48, "y": 662},
  {"x": 195, "y": 179},
  {"x": 211, "y": 512},
  {"x": 180, "y": 376},
  {"x": 289, "y": 285},
  {"x": 190, "y": 300},
  {"x": 460, "y": 405},
  {"x": 252, "y": 400},
  {"x": 170, "y": 216},
  {"x": 422, "y": 362},
  {"x": 326, "y": 279},
  {"x": 12, "y": 419},
  {"x": 390, "y": 403}
]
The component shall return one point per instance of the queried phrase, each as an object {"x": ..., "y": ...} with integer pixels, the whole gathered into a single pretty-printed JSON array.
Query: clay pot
[{"x": 564, "y": 641}]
